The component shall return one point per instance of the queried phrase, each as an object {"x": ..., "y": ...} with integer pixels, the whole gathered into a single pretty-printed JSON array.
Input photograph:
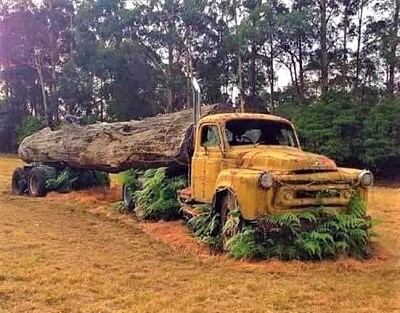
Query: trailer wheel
[
  {"x": 37, "y": 182},
  {"x": 127, "y": 197},
  {"x": 18, "y": 182}
]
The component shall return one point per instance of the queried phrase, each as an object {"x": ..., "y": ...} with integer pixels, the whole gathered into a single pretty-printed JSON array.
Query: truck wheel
[
  {"x": 18, "y": 182},
  {"x": 127, "y": 197},
  {"x": 37, "y": 182},
  {"x": 230, "y": 219}
]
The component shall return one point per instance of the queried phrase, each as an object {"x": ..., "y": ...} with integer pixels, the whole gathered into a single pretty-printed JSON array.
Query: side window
[{"x": 210, "y": 136}]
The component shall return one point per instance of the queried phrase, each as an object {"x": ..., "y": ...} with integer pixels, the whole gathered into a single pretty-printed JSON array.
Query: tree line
[{"x": 330, "y": 65}]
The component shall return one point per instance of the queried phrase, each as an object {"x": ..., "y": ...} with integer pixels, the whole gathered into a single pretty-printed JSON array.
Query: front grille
[
  {"x": 300, "y": 196},
  {"x": 310, "y": 194},
  {"x": 313, "y": 171}
]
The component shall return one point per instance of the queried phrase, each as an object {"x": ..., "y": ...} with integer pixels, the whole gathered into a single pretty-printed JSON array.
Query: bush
[
  {"x": 206, "y": 226},
  {"x": 352, "y": 132},
  {"x": 332, "y": 127},
  {"x": 130, "y": 178},
  {"x": 157, "y": 198},
  {"x": 245, "y": 245},
  {"x": 313, "y": 234},
  {"x": 69, "y": 179},
  {"x": 382, "y": 137}
]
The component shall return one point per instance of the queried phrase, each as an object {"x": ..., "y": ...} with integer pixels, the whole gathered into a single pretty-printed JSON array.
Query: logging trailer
[{"x": 247, "y": 160}]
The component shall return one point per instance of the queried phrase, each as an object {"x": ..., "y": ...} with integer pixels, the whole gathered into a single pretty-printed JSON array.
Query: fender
[{"x": 253, "y": 201}]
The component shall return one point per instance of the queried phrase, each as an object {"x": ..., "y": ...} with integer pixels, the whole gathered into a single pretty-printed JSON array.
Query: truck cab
[{"x": 257, "y": 159}]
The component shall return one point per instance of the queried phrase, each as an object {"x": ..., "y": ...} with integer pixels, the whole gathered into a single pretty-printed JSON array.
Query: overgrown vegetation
[
  {"x": 154, "y": 193},
  {"x": 313, "y": 234},
  {"x": 206, "y": 226},
  {"x": 69, "y": 179}
]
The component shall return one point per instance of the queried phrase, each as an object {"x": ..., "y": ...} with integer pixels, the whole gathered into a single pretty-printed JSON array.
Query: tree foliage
[{"x": 332, "y": 66}]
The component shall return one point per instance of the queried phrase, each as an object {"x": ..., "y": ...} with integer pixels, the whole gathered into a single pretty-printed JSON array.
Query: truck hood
[{"x": 281, "y": 159}]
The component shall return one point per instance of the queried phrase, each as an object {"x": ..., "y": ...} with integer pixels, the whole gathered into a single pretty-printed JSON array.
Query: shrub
[
  {"x": 244, "y": 245},
  {"x": 206, "y": 226},
  {"x": 313, "y": 234},
  {"x": 382, "y": 137},
  {"x": 318, "y": 234},
  {"x": 69, "y": 179},
  {"x": 130, "y": 178},
  {"x": 157, "y": 198},
  {"x": 332, "y": 126}
]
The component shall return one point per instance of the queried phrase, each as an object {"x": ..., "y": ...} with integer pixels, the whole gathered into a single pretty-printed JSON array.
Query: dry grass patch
[{"x": 57, "y": 256}]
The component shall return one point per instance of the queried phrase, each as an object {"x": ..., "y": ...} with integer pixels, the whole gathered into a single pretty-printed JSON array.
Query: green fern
[
  {"x": 204, "y": 226},
  {"x": 157, "y": 198},
  {"x": 308, "y": 215},
  {"x": 283, "y": 220},
  {"x": 63, "y": 182},
  {"x": 357, "y": 207},
  {"x": 244, "y": 245},
  {"x": 346, "y": 222},
  {"x": 232, "y": 224}
]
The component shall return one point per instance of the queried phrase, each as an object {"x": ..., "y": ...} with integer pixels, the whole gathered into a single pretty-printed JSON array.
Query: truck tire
[
  {"x": 228, "y": 203},
  {"x": 127, "y": 197},
  {"x": 37, "y": 182},
  {"x": 18, "y": 182}
]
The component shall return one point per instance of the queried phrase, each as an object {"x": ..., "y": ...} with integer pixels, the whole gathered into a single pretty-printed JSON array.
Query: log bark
[{"x": 164, "y": 140}]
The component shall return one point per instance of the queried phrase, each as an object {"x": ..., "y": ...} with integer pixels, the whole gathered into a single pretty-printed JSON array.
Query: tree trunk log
[{"x": 164, "y": 140}]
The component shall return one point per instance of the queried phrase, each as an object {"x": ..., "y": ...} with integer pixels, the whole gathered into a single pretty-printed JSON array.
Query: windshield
[{"x": 261, "y": 132}]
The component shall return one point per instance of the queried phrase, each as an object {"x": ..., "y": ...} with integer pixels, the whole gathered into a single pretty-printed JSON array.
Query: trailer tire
[
  {"x": 18, "y": 182},
  {"x": 37, "y": 182}
]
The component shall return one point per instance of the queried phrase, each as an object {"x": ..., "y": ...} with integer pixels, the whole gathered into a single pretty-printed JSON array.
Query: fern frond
[
  {"x": 357, "y": 236},
  {"x": 321, "y": 237},
  {"x": 308, "y": 215},
  {"x": 357, "y": 207},
  {"x": 245, "y": 246},
  {"x": 282, "y": 220}
]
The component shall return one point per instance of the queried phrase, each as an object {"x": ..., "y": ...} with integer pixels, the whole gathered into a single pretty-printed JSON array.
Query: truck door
[{"x": 206, "y": 163}]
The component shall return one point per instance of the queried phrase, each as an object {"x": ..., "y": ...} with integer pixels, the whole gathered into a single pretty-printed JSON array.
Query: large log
[{"x": 163, "y": 140}]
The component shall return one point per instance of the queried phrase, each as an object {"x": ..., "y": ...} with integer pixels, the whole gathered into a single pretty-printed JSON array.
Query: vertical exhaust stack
[{"x": 196, "y": 102}]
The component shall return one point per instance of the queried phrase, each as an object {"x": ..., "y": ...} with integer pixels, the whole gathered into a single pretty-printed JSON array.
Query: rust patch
[{"x": 240, "y": 159}]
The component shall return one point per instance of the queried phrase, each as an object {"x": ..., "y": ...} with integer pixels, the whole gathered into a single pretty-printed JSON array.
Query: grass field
[{"x": 68, "y": 253}]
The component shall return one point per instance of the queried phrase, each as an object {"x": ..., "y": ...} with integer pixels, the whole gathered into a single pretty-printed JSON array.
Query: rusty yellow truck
[{"x": 255, "y": 162}]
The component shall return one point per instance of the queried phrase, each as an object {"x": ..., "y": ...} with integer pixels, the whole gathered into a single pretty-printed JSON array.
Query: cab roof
[{"x": 221, "y": 118}]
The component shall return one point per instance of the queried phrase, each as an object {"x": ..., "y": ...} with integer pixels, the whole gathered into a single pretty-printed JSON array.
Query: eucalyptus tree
[
  {"x": 296, "y": 41},
  {"x": 35, "y": 38}
]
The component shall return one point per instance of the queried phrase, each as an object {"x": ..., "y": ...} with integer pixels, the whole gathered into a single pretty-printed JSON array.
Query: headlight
[
  {"x": 365, "y": 178},
  {"x": 266, "y": 180}
]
